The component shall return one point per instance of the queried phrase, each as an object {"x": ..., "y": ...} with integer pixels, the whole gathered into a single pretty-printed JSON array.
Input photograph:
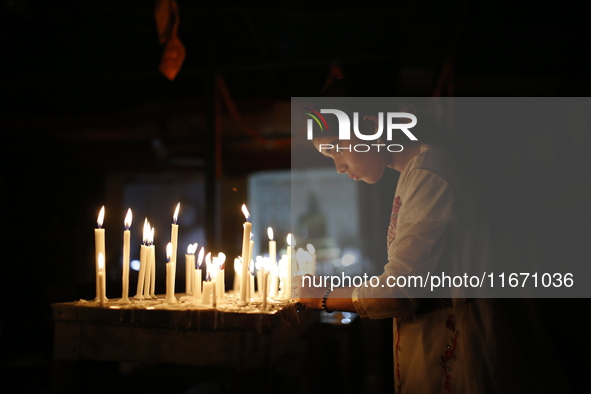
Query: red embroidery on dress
[
  {"x": 449, "y": 352},
  {"x": 393, "y": 220}
]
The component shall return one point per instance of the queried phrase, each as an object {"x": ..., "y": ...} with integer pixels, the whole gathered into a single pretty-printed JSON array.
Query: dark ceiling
[{"x": 86, "y": 72}]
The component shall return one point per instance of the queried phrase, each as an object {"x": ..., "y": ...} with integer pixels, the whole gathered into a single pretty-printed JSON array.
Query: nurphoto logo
[{"x": 344, "y": 132}]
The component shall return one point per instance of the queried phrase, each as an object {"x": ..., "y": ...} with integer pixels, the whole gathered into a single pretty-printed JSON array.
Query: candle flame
[
  {"x": 168, "y": 251},
  {"x": 311, "y": 249},
  {"x": 176, "y": 213},
  {"x": 246, "y": 213},
  {"x": 209, "y": 266},
  {"x": 101, "y": 217},
  {"x": 191, "y": 248},
  {"x": 146, "y": 231},
  {"x": 151, "y": 237},
  {"x": 251, "y": 236},
  {"x": 289, "y": 239},
  {"x": 259, "y": 263},
  {"x": 270, "y": 233},
  {"x": 200, "y": 258},
  {"x": 221, "y": 260},
  {"x": 101, "y": 262},
  {"x": 237, "y": 265},
  {"x": 128, "y": 219}
]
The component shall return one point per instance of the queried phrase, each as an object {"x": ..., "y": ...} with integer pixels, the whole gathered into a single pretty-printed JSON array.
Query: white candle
[
  {"x": 150, "y": 263},
  {"x": 99, "y": 245},
  {"x": 101, "y": 278},
  {"x": 198, "y": 277},
  {"x": 174, "y": 236},
  {"x": 190, "y": 268},
  {"x": 264, "y": 287},
  {"x": 250, "y": 249},
  {"x": 251, "y": 280},
  {"x": 273, "y": 285},
  {"x": 245, "y": 257},
  {"x": 237, "y": 269},
  {"x": 287, "y": 293},
  {"x": 258, "y": 265},
  {"x": 208, "y": 286},
  {"x": 152, "y": 251},
  {"x": 125, "y": 276},
  {"x": 139, "y": 295},
  {"x": 170, "y": 298},
  {"x": 272, "y": 247},
  {"x": 312, "y": 251},
  {"x": 213, "y": 293},
  {"x": 206, "y": 296},
  {"x": 221, "y": 276}
]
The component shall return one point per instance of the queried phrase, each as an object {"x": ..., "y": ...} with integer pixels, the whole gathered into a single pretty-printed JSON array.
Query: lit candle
[
  {"x": 206, "y": 295},
  {"x": 139, "y": 295},
  {"x": 312, "y": 251},
  {"x": 99, "y": 245},
  {"x": 198, "y": 277},
  {"x": 251, "y": 280},
  {"x": 126, "y": 241},
  {"x": 264, "y": 287},
  {"x": 190, "y": 268},
  {"x": 237, "y": 270},
  {"x": 208, "y": 286},
  {"x": 250, "y": 266},
  {"x": 245, "y": 257},
  {"x": 221, "y": 276},
  {"x": 250, "y": 248},
  {"x": 170, "y": 298},
  {"x": 272, "y": 247},
  {"x": 212, "y": 262},
  {"x": 101, "y": 278},
  {"x": 258, "y": 265},
  {"x": 152, "y": 266},
  {"x": 148, "y": 271},
  {"x": 273, "y": 285},
  {"x": 287, "y": 293},
  {"x": 174, "y": 236}
]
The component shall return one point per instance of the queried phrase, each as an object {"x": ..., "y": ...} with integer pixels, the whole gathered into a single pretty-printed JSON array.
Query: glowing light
[
  {"x": 127, "y": 220},
  {"x": 200, "y": 257},
  {"x": 347, "y": 260},
  {"x": 168, "y": 251},
  {"x": 135, "y": 265},
  {"x": 191, "y": 248},
  {"x": 176, "y": 213},
  {"x": 101, "y": 262},
  {"x": 270, "y": 233},
  {"x": 101, "y": 217},
  {"x": 246, "y": 213}
]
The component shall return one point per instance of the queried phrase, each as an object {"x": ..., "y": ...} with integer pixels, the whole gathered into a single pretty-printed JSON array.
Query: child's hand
[{"x": 304, "y": 294}]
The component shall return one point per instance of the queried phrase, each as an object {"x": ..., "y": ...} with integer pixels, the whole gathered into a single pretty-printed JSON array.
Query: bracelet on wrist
[{"x": 326, "y": 293}]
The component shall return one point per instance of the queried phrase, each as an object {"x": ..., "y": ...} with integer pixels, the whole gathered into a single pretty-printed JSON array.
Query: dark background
[{"x": 84, "y": 102}]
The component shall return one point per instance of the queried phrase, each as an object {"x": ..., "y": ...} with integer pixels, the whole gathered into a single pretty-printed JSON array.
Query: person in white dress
[{"x": 447, "y": 342}]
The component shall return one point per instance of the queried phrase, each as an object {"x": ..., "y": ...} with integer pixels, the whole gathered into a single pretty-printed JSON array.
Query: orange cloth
[{"x": 166, "y": 13}]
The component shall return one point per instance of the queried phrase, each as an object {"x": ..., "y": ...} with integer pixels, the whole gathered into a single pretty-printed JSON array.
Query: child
[{"x": 449, "y": 343}]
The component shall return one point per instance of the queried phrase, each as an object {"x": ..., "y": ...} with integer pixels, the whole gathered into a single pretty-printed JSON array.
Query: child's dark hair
[{"x": 347, "y": 96}]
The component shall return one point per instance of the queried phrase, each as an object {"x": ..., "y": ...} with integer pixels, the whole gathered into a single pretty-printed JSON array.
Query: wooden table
[{"x": 149, "y": 332}]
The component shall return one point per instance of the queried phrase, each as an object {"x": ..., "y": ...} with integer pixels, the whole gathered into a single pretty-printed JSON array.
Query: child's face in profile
[{"x": 360, "y": 166}]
